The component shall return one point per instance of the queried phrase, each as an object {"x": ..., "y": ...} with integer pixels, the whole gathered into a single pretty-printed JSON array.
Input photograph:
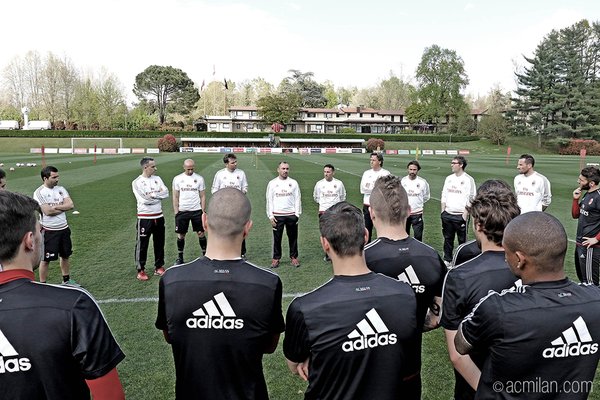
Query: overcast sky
[{"x": 351, "y": 43}]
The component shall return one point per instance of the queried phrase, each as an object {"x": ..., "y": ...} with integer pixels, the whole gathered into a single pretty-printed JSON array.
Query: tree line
[{"x": 557, "y": 94}]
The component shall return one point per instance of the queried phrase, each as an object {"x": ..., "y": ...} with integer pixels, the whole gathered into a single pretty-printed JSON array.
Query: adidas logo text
[
  {"x": 12, "y": 364},
  {"x": 409, "y": 276},
  {"x": 573, "y": 342},
  {"x": 371, "y": 332},
  {"x": 216, "y": 314}
]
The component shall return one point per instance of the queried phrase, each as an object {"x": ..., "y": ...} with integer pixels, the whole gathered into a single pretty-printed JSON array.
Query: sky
[{"x": 350, "y": 43}]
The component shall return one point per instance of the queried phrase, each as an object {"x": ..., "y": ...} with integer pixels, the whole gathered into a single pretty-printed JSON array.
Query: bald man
[
  {"x": 547, "y": 331},
  {"x": 188, "y": 203},
  {"x": 220, "y": 313}
]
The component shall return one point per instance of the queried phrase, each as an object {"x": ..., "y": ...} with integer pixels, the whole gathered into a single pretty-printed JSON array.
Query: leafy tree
[
  {"x": 302, "y": 85},
  {"x": 166, "y": 86},
  {"x": 393, "y": 93},
  {"x": 416, "y": 113},
  {"x": 441, "y": 76},
  {"x": 279, "y": 108},
  {"x": 494, "y": 127}
]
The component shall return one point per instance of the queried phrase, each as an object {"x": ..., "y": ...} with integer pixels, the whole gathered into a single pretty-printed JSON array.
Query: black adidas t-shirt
[
  {"x": 410, "y": 261},
  {"x": 588, "y": 224},
  {"x": 542, "y": 341},
  {"x": 52, "y": 338},
  {"x": 220, "y": 317},
  {"x": 464, "y": 286},
  {"x": 361, "y": 335},
  {"x": 465, "y": 252}
]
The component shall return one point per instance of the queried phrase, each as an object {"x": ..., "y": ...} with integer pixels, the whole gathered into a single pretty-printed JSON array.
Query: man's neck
[
  {"x": 487, "y": 245},
  {"x": 459, "y": 173},
  {"x": 396, "y": 232},
  {"x": 537, "y": 277},
  {"x": 349, "y": 266},
  {"x": 146, "y": 176},
  {"x": 223, "y": 248},
  {"x": 412, "y": 177},
  {"x": 377, "y": 169},
  {"x": 529, "y": 173}
]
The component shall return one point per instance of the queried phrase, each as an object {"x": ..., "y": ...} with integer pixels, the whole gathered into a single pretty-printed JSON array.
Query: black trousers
[
  {"x": 368, "y": 221},
  {"x": 290, "y": 223},
  {"x": 416, "y": 222},
  {"x": 145, "y": 229},
  {"x": 587, "y": 264},
  {"x": 452, "y": 226}
]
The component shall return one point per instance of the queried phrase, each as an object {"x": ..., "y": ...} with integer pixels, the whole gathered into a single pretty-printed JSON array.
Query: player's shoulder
[{"x": 59, "y": 296}]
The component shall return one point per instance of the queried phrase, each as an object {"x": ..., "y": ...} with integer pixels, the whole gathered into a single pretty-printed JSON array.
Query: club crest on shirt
[{"x": 532, "y": 183}]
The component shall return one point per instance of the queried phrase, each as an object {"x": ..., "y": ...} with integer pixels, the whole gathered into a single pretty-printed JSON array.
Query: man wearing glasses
[{"x": 457, "y": 193}]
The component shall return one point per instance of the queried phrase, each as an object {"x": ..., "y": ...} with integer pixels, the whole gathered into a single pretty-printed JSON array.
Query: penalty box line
[{"x": 155, "y": 299}]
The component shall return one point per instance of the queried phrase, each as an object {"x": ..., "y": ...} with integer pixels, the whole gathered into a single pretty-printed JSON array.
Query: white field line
[{"x": 155, "y": 299}]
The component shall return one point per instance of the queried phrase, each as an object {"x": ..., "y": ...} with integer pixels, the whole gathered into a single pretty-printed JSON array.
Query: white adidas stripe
[
  {"x": 367, "y": 329},
  {"x": 6, "y": 349},
  {"x": 571, "y": 335},
  {"x": 212, "y": 309}
]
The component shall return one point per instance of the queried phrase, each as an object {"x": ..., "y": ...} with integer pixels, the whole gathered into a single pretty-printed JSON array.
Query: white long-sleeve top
[
  {"x": 225, "y": 179},
  {"x": 418, "y": 193},
  {"x": 328, "y": 193},
  {"x": 533, "y": 192},
  {"x": 283, "y": 197},
  {"x": 149, "y": 192},
  {"x": 457, "y": 193},
  {"x": 368, "y": 181}
]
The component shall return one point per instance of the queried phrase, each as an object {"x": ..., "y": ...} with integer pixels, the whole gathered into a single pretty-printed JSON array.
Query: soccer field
[{"x": 104, "y": 239}]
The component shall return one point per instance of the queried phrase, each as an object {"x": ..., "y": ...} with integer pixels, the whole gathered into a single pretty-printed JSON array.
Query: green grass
[{"x": 104, "y": 238}]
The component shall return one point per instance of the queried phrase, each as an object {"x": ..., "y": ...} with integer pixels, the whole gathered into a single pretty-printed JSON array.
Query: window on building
[
  {"x": 360, "y": 115},
  {"x": 293, "y": 127},
  {"x": 214, "y": 126},
  {"x": 392, "y": 118},
  {"x": 253, "y": 113},
  {"x": 238, "y": 126},
  {"x": 311, "y": 115},
  {"x": 238, "y": 113},
  {"x": 330, "y": 128},
  {"x": 328, "y": 115},
  {"x": 319, "y": 127},
  {"x": 250, "y": 126},
  {"x": 372, "y": 115},
  {"x": 225, "y": 126}
]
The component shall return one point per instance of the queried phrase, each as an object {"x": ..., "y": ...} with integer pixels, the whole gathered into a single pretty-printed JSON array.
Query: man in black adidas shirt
[
  {"x": 401, "y": 257},
  {"x": 542, "y": 337},
  {"x": 220, "y": 313},
  {"x": 355, "y": 337},
  {"x": 54, "y": 341},
  {"x": 490, "y": 211},
  {"x": 587, "y": 211}
]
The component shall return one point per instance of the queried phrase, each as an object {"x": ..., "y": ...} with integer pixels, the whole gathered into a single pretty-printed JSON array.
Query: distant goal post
[{"x": 89, "y": 143}]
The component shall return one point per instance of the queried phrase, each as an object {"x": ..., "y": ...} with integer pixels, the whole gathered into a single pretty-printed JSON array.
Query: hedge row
[{"x": 283, "y": 135}]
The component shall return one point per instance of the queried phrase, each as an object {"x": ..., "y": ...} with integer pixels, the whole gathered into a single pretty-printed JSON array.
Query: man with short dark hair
[
  {"x": 587, "y": 212},
  {"x": 491, "y": 211},
  {"x": 188, "y": 204},
  {"x": 457, "y": 193},
  {"x": 2, "y": 179},
  {"x": 546, "y": 332},
  {"x": 54, "y": 341},
  {"x": 328, "y": 191},
  {"x": 283, "y": 210},
  {"x": 355, "y": 337},
  {"x": 231, "y": 176},
  {"x": 220, "y": 313},
  {"x": 401, "y": 257},
  {"x": 149, "y": 191},
  {"x": 366, "y": 186},
  {"x": 54, "y": 200},
  {"x": 532, "y": 188},
  {"x": 417, "y": 189}
]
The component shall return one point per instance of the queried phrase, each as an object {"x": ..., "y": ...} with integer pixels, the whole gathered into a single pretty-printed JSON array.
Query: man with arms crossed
[
  {"x": 54, "y": 341},
  {"x": 283, "y": 210},
  {"x": 401, "y": 257},
  {"x": 457, "y": 193},
  {"x": 543, "y": 337},
  {"x": 231, "y": 176},
  {"x": 355, "y": 337},
  {"x": 417, "y": 189},
  {"x": 464, "y": 285},
  {"x": 220, "y": 313},
  {"x": 328, "y": 191},
  {"x": 2, "y": 179},
  {"x": 54, "y": 200},
  {"x": 149, "y": 191},
  {"x": 366, "y": 185},
  {"x": 532, "y": 188},
  {"x": 188, "y": 203},
  {"x": 587, "y": 212}
]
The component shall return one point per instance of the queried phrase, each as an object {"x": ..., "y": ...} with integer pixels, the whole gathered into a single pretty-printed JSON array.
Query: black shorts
[
  {"x": 57, "y": 243},
  {"x": 183, "y": 218}
]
